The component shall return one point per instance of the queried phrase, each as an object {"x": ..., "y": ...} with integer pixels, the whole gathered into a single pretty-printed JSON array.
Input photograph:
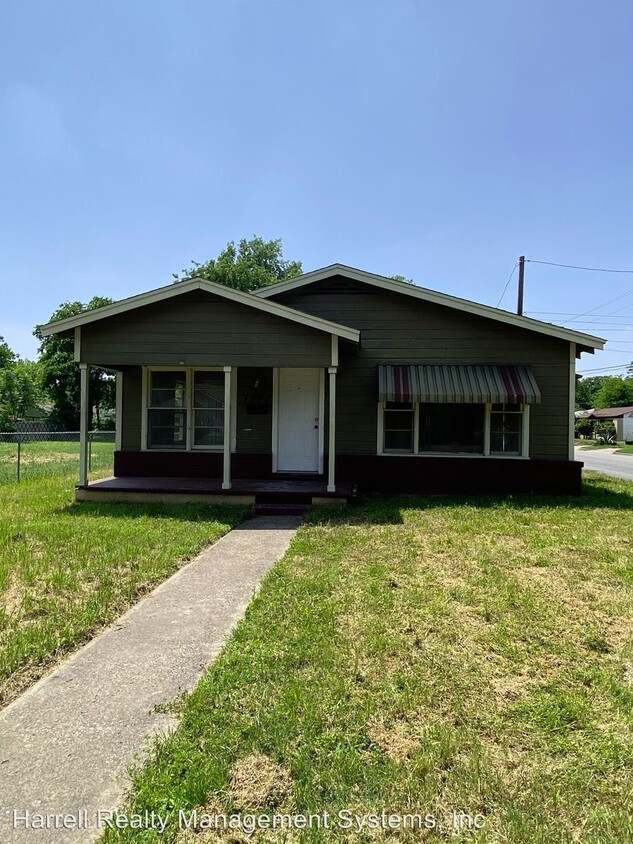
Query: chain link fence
[{"x": 31, "y": 453}]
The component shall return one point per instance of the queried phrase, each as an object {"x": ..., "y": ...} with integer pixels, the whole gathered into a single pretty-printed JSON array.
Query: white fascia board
[
  {"x": 436, "y": 298},
  {"x": 181, "y": 287}
]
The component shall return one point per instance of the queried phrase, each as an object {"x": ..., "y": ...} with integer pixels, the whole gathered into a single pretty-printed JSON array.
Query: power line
[
  {"x": 575, "y": 314},
  {"x": 507, "y": 283},
  {"x": 576, "y": 267},
  {"x": 588, "y": 269},
  {"x": 606, "y": 368}
]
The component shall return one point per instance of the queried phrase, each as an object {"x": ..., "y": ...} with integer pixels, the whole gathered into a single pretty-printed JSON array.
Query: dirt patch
[
  {"x": 396, "y": 742},
  {"x": 257, "y": 781},
  {"x": 513, "y": 688}
]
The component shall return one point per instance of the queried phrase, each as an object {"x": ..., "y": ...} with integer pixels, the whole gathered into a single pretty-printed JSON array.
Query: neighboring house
[
  {"x": 338, "y": 376},
  {"x": 622, "y": 417}
]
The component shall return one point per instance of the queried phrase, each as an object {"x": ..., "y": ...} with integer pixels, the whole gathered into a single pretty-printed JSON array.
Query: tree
[
  {"x": 615, "y": 392},
  {"x": 586, "y": 391},
  {"x": 60, "y": 373},
  {"x": 7, "y": 355},
  {"x": 18, "y": 393},
  {"x": 252, "y": 264}
]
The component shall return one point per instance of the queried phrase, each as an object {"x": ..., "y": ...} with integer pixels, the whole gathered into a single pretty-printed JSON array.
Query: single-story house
[
  {"x": 622, "y": 417},
  {"x": 334, "y": 380}
]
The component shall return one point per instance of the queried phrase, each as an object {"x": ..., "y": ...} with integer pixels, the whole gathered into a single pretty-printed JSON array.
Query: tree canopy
[
  {"x": 7, "y": 355},
  {"x": 60, "y": 373},
  {"x": 248, "y": 266},
  {"x": 615, "y": 392}
]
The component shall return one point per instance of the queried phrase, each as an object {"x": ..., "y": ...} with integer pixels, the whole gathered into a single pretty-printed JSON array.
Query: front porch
[{"x": 262, "y": 494}]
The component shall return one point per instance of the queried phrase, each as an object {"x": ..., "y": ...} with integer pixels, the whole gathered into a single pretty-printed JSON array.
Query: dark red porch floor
[{"x": 285, "y": 487}]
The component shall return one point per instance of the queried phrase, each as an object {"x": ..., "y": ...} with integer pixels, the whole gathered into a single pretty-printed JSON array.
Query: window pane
[
  {"x": 167, "y": 429},
  {"x": 208, "y": 427},
  {"x": 452, "y": 428},
  {"x": 167, "y": 389},
  {"x": 208, "y": 389},
  {"x": 209, "y": 418},
  {"x": 209, "y": 436},
  {"x": 509, "y": 408},
  {"x": 398, "y": 427},
  {"x": 506, "y": 433},
  {"x": 504, "y": 443},
  {"x": 398, "y": 440}
]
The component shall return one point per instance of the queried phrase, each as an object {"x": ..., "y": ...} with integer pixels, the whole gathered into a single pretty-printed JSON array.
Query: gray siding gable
[
  {"x": 399, "y": 329},
  {"x": 202, "y": 329}
]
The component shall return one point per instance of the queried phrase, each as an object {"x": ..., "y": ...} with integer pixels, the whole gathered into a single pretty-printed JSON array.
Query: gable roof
[
  {"x": 160, "y": 294},
  {"x": 608, "y": 413},
  {"x": 587, "y": 340}
]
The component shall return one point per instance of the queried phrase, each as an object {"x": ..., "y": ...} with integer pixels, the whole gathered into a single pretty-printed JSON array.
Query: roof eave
[
  {"x": 589, "y": 341},
  {"x": 160, "y": 294}
]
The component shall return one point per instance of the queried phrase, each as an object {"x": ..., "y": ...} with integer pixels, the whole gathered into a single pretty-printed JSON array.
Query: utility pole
[{"x": 521, "y": 272}]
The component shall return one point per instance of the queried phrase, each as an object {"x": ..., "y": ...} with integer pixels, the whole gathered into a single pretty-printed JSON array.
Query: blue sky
[{"x": 437, "y": 140}]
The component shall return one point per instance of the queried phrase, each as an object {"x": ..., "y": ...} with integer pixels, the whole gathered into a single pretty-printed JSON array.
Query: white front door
[{"x": 298, "y": 420}]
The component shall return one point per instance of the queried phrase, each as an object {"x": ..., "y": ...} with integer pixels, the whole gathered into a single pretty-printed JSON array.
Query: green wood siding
[
  {"x": 399, "y": 329},
  {"x": 254, "y": 410},
  {"x": 132, "y": 409},
  {"x": 202, "y": 330}
]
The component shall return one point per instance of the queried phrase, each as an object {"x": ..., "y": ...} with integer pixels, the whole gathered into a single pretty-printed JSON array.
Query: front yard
[
  {"x": 67, "y": 570},
  {"x": 424, "y": 656}
]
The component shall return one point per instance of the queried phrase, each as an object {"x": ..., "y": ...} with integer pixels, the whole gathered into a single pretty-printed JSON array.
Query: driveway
[{"x": 605, "y": 460}]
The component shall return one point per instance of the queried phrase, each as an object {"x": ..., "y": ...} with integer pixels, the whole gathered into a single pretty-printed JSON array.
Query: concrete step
[{"x": 280, "y": 509}]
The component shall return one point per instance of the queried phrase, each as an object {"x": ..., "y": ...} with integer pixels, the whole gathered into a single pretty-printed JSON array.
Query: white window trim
[
  {"x": 525, "y": 439},
  {"x": 188, "y": 370}
]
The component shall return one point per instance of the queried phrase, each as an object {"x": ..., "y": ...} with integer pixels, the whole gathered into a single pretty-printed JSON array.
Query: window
[
  {"x": 185, "y": 409},
  {"x": 452, "y": 428},
  {"x": 208, "y": 408},
  {"x": 506, "y": 429},
  {"x": 167, "y": 411},
  {"x": 498, "y": 430},
  {"x": 398, "y": 426}
]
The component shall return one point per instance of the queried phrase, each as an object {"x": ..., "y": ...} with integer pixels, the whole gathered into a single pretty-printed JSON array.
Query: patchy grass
[
  {"x": 424, "y": 655},
  {"x": 51, "y": 459},
  {"x": 621, "y": 447},
  {"x": 68, "y": 569}
]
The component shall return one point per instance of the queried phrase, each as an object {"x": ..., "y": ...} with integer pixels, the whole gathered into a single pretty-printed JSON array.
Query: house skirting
[
  {"x": 460, "y": 475},
  {"x": 376, "y": 474}
]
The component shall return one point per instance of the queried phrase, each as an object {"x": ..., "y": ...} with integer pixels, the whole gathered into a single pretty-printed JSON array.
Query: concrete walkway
[{"x": 66, "y": 744}]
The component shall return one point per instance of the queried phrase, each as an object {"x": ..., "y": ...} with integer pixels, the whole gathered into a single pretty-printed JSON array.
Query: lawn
[
  {"x": 423, "y": 655},
  {"x": 68, "y": 569},
  {"x": 51, "y": 459},
  {"x": 621, "y": 447}
]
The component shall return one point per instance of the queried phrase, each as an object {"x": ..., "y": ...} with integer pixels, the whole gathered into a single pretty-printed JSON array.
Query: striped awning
[{"x": 459, "y": 384}]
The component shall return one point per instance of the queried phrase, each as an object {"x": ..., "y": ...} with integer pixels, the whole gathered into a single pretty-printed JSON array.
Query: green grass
[
  {"x": 67, "y": 569},
  {"x": 51, "y": 459},
  {"x": 621, "y": 447},
  {"x": 424, "y": 655}
]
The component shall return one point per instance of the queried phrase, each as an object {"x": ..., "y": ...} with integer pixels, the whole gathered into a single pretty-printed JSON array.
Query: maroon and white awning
[{"x": 460, "y": 384}]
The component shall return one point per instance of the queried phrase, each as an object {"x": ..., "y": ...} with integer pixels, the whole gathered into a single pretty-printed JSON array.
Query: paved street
[{"x": 604, "y": 460}]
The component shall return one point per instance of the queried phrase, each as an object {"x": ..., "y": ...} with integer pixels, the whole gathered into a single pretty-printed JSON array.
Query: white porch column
[
  {"x": 84, "y": 419},
  {"x": 331, "y": 451},
  {"x": 118, "y": 428},
  {"x": 228, "y": 429}
]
